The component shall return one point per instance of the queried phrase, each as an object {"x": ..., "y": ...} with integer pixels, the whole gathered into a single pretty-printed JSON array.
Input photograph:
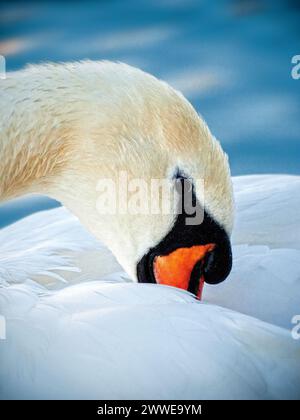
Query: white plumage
[{"x": 110, "y": 338}]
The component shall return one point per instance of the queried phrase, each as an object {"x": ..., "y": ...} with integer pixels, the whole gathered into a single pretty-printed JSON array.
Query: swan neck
[{"x": 33, "y": 154}]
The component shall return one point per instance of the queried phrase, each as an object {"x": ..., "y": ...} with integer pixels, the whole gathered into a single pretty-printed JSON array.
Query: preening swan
[
  {"x": 64, "y": 127},
  {"x": 78, "y": 326}
]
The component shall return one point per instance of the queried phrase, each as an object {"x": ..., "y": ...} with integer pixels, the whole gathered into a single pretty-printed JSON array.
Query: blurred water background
[{"x": 231, "y": 59}]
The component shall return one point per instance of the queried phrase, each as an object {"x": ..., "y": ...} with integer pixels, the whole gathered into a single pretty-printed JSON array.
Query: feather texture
[{"x": 107, "y": 337}]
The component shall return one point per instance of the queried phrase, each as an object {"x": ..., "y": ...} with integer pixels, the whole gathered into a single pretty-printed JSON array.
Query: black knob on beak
[{"x": 218, "y": 262}]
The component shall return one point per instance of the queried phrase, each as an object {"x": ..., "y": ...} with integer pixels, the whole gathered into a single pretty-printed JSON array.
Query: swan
[
  {"x": 78, "y": 325},
  {"x": 67, "y": 127}
]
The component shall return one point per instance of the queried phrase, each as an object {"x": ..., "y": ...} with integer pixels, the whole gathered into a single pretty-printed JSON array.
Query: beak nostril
[
  {"x": 195, "y": 277},
  {"x": 208, "y": 262}
]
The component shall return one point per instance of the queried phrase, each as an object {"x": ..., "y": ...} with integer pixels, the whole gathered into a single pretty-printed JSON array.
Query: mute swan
[
  {"x": 100, "y": 335},
  {"x": 66, "y": 127}
]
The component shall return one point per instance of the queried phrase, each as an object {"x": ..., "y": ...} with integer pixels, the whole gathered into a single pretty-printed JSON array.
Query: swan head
[
  {"x": 175, "y": 227},
  {"x": 150, "y": 140},
  {"x": 134, "y": 161}
]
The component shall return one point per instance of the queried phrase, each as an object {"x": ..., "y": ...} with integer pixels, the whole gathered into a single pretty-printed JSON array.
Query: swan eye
[
  {"x": 179, "y": 174},
  {"x": 183, "y": 182}
]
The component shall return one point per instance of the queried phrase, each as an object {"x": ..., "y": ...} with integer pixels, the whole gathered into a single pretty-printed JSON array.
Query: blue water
[{"x": 232, "y": 59}]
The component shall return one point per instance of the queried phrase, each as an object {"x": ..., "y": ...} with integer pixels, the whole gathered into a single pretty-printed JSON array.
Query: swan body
[{"x": 79, "y": 327}]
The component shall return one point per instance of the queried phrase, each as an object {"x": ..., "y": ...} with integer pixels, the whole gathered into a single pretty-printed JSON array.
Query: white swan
[
  {"x": 110, "y": 338},
  {"x": 66, "y": 127}
]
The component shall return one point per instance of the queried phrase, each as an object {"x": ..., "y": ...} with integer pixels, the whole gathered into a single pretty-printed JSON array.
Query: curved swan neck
[
  {"x": 64, "y": 127},
  {"x": 28, "y": 168},
  {"x": 33, "y": 148}
]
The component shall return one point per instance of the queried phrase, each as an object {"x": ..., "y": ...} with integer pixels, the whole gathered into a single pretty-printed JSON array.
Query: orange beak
[{"x": 175, "y": 269}]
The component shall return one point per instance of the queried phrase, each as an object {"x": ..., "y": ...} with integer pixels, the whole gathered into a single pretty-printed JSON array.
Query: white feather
[
  {"x": 111, "y": 338},
  {"x": 265, "y": 279}
]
